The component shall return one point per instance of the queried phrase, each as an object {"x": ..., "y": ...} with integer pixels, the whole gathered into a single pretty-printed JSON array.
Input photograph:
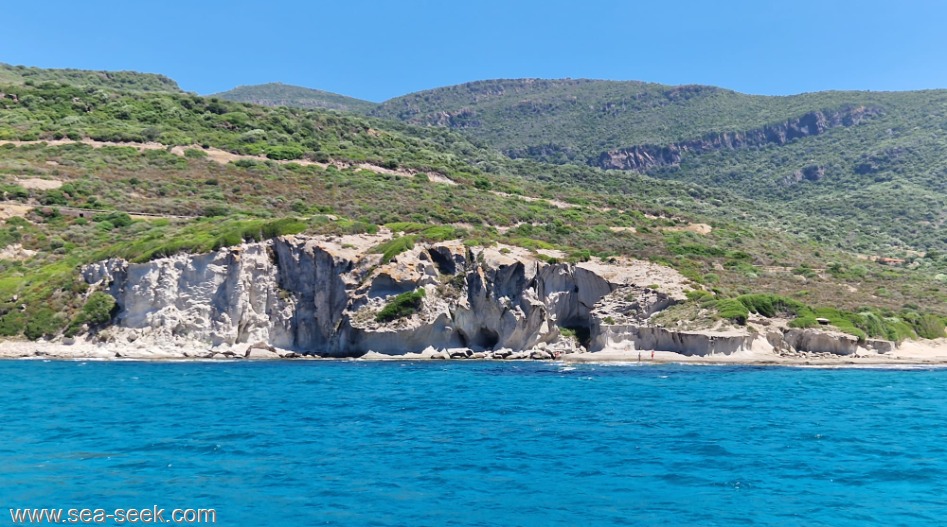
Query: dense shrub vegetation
[
  {"x": 119, "y": 80},
  {"x": 403, "y": 305},
  {"x": 865, "y": 323}
]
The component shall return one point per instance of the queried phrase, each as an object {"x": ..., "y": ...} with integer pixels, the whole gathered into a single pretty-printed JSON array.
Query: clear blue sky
[{"x": 380, "y": 49}]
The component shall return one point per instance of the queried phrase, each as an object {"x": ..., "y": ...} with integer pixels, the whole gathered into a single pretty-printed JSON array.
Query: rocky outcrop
[
  {"x": 463, "y": 118},
  {"x": 644, "y": 157},
  {"x": 809, "y": 173},
  {"x": 322, "y": 296},
  {"x": 661, "y": 339},
  {"x": 798, "y": 343},
  {"x": 313, "y": 296},
  {"x": 227, "y": 297},
  {"x": 809, "y": 340}
]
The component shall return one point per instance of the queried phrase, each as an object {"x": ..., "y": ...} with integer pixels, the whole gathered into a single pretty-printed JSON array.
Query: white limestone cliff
[{"x": 321, "y": 295}]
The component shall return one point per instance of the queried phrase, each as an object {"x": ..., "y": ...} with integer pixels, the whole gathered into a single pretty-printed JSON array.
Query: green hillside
[
  {"x": 116, "y": 80},
  {"x": 577, "y": 119},
  {"x": 873, "y": 181},
  {"x": 91, "y": 173},
  {"x": 278, "y": 94}
]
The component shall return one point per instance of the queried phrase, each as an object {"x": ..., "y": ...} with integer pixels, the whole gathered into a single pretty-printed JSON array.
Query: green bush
[
  {"x": 98, "y": 309},
  {"x": 440, "y": 233},
  {"x": 803, "y": 322},
  {"x": 843, "y": 321},
  {"x": 898, "y": 330},
  {"x": 256, "y": 231},
  {"x": 282, "y": 227},
  {"x": 530, "y": 243},
  {"x": 676, "y": 244},
  {"x": 211, "y": 211},
  {"x": 394, "y": 247},
  {"x": 115, "y": 219},
  {"x": 930, "y": 327},
  {"x": 406, "y": 227},
  {"x": 733, "y": 309},
  {"x": 872, "y": 324},
  {"x": 53, "y": 197},
  {"x": 698, "y": 295},
  {"x": 580, "y": 255},
  {"x": 284, "y": 153},
  {"x": 772, "y": 305},
  {"x": 12, "y": 324},
  {"x": 194, "y": 153},
  {"x": 229, "y": 239},
  {"x": 43, "y": 322},
  {"x": 245, "y": 163},
  {"x": 347, "y": 226},
  {"x": 403, "y": 305},
  {"x": 804, "y": 270},
  {"x": 14, "y": 192}
]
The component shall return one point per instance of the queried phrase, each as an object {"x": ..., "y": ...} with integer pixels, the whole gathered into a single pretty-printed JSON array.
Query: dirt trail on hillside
[{"x": 223, "y": 157}]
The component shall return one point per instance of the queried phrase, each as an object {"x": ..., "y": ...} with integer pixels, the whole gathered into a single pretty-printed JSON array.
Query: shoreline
[{"x": 912, "y": 354}]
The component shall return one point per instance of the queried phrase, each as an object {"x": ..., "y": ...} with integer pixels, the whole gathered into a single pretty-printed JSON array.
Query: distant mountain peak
[{"x": 280, "y": 94}]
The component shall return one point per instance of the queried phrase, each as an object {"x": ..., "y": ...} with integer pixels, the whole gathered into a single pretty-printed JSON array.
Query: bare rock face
[
  {"x": 821, "y": 342},
  {"x": 220, "y": 298},
  {"x": 879, "y": 346},
  {"x": 315, "y": 284},
  {"x": 631, "y": 305},
  {"x": 661, "y": 339},
  {"x": 809, "y": 173},
  {"x": 308, "y": 295},
  {"x": 644, "y": 157}
]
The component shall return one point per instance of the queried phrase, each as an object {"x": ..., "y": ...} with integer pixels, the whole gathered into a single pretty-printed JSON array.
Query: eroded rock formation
[
  {"x": 310, "y": 295},
  {"x": 322, "y": 296},
  {"x": 644, "y": 157}
]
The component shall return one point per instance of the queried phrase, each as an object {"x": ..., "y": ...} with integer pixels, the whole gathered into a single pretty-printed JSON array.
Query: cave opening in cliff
[
  {"x": 583, "y": 332},
  {"x": 483, "y": 339},
  {"x": 486, "y": 339},
  {"x": 445, "y": 265}
]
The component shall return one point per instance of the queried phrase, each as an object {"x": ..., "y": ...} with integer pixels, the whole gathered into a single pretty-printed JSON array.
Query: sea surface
[{"x": 416, "y": 444}]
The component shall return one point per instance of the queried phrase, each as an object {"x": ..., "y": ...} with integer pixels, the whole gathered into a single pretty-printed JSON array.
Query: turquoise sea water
[{"x": 350, "y": 443}]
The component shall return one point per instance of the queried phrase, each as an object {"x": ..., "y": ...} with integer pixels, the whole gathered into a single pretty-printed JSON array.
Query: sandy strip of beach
[
  {"x": 752, "y": 359},
  {"x": 910, "y": 353}
]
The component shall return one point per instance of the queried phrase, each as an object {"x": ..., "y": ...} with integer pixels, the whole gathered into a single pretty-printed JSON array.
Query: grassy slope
[
  {"x": 883, "y": 190},
  {"x": 243, "y": 198},
  {"x": 278, "y": 94}
]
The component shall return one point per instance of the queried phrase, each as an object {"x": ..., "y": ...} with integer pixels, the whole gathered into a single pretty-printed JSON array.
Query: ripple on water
[{"x": 350, "y": 443}]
